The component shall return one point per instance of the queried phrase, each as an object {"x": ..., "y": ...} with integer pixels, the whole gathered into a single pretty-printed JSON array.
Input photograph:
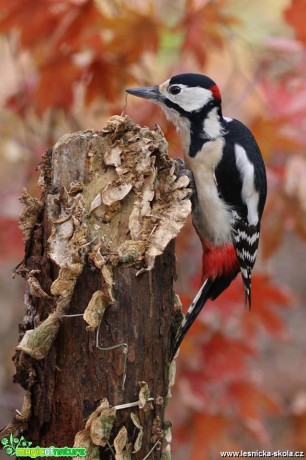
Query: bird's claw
[{"x": 181, "y": 170}]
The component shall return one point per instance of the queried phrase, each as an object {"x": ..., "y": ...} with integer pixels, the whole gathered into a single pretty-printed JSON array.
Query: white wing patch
[{"x": 248, "y": 193}]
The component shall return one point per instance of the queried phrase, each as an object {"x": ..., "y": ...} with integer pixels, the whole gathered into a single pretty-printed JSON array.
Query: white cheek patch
[
  {"x": 193, "y": 99},
  {"x": 249, "y": 194},
  {"x": 189, "y": 99}
]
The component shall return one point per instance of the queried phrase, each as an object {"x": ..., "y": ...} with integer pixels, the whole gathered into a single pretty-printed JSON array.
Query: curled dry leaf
[
  {"x": 113, "y": 193},
  {"x": 172, "y": 374},
  {"x": 37, "y": 342},
  {"x": 96, "y": 202},
  {"x": 107, "y": 282},
  {"x": 83, "y": 439},
  {"x": 168, "y": 434},
  {"x": 120, "y": 444},
  {"x": 24, "y": 414},
  {"x": 144, "y": 395},
  {"x": 166, "y": 453},
  {"x": 97, "y": 257},
  {"x": 105, "y": 297},
  {"x": 113, "y": 156},
  {"x": 95, "y": 310},
  {"x": 64, "y": 284},
  {"x": 35, "y": 288},
  {"x": 102, "y": 425},
  {"x": 31, "y": 209},
  {"x": 104, "y": 404},
  {"x": 168, "y": 228},
  {"x": 102, "y": 263},
  {"x": 67, "y": 274},
  {"x": 161, "y": 204},
  {"x": 97, "y": 430},
  {"x": 131, "y": 251},
  {"x": 138, "y": 441}
]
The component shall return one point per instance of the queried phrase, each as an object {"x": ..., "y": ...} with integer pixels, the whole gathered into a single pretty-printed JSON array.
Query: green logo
[
  {"x": 22, "y": 448},
  {"x": 11, "y": 444}
]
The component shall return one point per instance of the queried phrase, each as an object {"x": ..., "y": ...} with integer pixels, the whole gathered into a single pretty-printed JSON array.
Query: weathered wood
[{"x": 110, "y": 208}]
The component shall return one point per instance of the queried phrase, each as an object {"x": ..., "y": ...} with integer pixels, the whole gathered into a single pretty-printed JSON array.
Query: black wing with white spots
[{"x": 241, "y": 178}]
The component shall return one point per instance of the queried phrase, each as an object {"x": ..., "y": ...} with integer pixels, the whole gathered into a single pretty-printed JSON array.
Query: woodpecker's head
[
  {"x": 193, "y": 103},
  {"x": 188, "y": 95}
]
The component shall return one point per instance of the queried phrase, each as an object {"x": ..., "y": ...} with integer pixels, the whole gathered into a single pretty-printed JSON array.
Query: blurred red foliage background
[{"x": 65, "y": 63}]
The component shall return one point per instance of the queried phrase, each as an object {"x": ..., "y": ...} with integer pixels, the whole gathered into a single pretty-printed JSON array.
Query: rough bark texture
[{"x": 111, "y": 205}]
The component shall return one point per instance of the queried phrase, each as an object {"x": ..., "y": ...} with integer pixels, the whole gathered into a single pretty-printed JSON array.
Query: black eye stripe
[{"x": 174, "y": 89}]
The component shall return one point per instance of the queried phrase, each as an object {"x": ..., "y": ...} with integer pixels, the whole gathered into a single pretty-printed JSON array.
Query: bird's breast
[{"x": 211, "y": 215}]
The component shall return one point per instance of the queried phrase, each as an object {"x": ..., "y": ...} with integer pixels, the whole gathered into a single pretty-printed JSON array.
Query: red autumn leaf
[
  {"x": 204, "y": 27},
  {"x": 268, "y": 299},
  {"x": 224, "y": 357},
  {"x": 18, "y": 102},
  {"x": 249, "y": 402},
  {"x": 207, "y": 431},
  {"x": 81, "y": 28},
  {"x": 133, "y": 33},
  {"x": 217, "y": 364},
  {"x": 35, "y": 21},
  {"x": 55, "y": 85},
  {"x": 194, "y": 388},
  {"x": 103, "y": 79},
  {"x": 295, "y": 16},
  {"x": 273, "y": 137},
  {"x": 273, "y": 224}
]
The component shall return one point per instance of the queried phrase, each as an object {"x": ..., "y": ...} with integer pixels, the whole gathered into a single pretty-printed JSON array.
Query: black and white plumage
[{"x": 230, "y": 182}]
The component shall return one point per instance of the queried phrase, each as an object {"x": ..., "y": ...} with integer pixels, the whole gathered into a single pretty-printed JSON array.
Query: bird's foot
[{"x": 181, "y": 170}]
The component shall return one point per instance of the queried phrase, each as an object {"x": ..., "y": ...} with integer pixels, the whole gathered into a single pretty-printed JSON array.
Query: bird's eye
[{"x": 174, "y": 90}]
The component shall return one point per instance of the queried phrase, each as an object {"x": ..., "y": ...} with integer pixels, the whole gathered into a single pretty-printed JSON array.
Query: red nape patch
[
  {"x": 218, "y": 260},
  {"x": 216, "y": 92}
]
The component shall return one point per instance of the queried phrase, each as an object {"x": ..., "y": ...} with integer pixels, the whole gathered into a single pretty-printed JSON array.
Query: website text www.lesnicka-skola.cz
[{"x": 263, "y": 454}]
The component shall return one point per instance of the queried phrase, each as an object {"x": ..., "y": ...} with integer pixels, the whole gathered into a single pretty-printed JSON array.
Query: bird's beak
[{"x": 147, "y": 92}]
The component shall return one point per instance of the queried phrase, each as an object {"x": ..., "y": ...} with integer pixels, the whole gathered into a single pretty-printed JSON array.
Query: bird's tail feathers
[
  {"x": 246, "y": 278},
  {"x": 195, "y": 307}
]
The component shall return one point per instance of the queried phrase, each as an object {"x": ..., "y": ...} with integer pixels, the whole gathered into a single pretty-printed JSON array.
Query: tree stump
[{"x": 99, "y": 263}]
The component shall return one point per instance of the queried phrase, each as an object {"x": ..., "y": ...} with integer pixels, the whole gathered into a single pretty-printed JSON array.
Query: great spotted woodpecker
[{"x": 230, "y": 181}]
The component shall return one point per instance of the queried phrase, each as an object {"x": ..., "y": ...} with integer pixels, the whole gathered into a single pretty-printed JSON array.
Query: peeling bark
[{"x": 100, "y": 245}]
